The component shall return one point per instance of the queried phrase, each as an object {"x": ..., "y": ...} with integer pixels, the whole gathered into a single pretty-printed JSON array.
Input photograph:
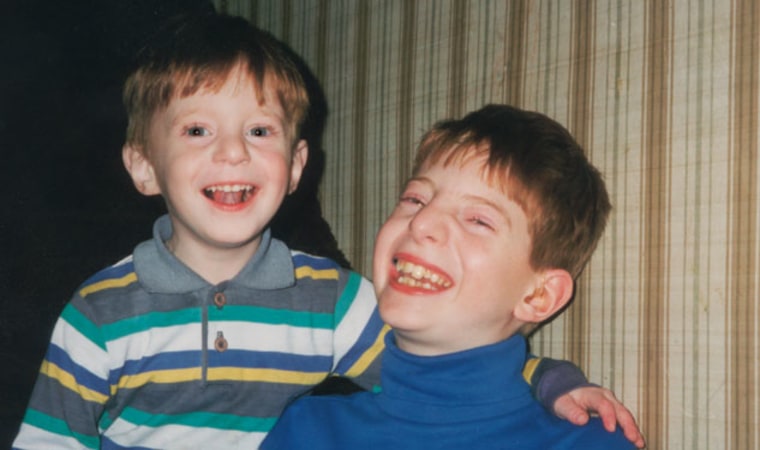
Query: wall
[{"x": 662, "y": 94}]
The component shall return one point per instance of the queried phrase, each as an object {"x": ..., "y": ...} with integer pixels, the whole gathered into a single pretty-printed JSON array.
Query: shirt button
[
  {"x": 220, "y": 300},
  {"x": 220, "y": 344}
]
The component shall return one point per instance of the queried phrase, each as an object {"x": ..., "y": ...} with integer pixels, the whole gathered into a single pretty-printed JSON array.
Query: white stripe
[
  {"x": 356, "y": 318},
  {"x": 273, "y": 338},
  {"x": 148, "y": 343},
  {"x": 80, "y": 349},
  {"x": 239, "y": 335},
  {"x": 31, "y": 438},
  {"x": 128, "y": 434}
]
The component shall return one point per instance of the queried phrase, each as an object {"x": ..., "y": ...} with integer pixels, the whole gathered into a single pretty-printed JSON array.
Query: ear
[
  {"x": 140, "y": 169},
  {"x": 553, "y": 293},
  {"x": 297, "y": 163}
]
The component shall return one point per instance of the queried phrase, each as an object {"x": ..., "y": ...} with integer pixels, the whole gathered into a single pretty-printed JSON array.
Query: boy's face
[
  {"x": 223, "y": 164},
  {"x": 451, "y": 263}
]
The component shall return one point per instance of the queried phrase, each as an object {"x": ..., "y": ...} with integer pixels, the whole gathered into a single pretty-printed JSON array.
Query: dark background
[{"x": 69, "y": 207}]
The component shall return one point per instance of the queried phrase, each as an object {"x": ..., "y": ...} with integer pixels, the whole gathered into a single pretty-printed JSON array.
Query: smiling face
[
  {"x": 223, "y": 163},
  {"x": 452, "y": 262}
]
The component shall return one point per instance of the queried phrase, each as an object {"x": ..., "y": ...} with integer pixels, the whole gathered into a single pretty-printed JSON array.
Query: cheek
[
  {"x": 388, "y": 241},
  {"x": 277, "y": 168},
  {"x": 379, "y": 266}
]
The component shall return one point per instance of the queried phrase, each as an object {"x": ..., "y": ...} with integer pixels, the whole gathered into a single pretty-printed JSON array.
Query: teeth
[
  {"x": 230, "y": 188},
  {"x": 414, "y": 275},
  {"x": 229, "y": 193}
]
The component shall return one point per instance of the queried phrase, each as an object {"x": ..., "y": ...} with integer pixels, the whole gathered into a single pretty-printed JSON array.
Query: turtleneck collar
[{"x": 468, "y": 385}]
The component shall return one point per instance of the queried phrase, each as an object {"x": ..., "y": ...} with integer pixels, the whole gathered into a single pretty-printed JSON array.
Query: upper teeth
[
  {"x": 230, "y": 188},
  {"x": 416, "y": 275}
]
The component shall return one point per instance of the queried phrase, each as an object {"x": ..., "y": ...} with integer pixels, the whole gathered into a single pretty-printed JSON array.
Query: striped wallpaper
[{"x": 664, "y": 96}]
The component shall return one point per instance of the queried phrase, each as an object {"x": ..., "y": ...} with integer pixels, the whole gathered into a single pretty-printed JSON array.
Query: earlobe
[
  {"x": 553, "y": 293},
  {"x": 140, "y": 169},
  {"x": 297, "y": 164}
]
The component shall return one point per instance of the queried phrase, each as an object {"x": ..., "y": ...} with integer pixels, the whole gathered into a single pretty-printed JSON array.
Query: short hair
[
  {"x": 538, "y": 162},
  {"x": 199, "y": 51}
]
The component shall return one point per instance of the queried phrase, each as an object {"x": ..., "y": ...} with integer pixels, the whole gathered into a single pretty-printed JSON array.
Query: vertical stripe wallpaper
[{"x": 662, "y": 94}]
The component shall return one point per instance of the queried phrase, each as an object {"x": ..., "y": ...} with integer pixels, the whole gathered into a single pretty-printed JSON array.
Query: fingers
[
  {"x": 624, "y": 418},
  {"x": 629, "y": 426},
  {"x": 608, "y": 413},
  {"x": 576, "y": 406},
  {"x": 567, "y": 408}
]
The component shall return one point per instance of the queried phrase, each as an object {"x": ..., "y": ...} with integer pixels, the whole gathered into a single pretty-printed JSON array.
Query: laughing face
[
  {"x": 223, "y": 163},
  {"x": 451, "y": 263}
]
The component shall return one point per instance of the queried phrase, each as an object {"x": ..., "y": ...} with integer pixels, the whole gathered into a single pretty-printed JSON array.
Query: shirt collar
[
  {"x": 476, "y": 383},
  {"x": 158, "y": 270}
]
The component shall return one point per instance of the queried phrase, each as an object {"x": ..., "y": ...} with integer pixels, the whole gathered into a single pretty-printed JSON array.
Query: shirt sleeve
[
  {"x": 549, "y": 379},
  {"x": 71, "y": 388},
  {"x": 359, "y": 332}
]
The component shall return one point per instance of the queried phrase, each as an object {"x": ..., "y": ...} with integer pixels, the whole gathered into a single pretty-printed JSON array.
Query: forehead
[
  {"x": 236, "y": 77},
  {"x": 235, "y": 88},
  {"x": 491, "y": 171}
]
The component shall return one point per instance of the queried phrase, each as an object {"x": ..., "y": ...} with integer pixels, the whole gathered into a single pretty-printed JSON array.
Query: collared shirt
[{"x": 150, "y": 354}]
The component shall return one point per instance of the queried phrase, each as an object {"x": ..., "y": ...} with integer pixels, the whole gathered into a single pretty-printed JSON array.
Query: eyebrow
[
  {"x": 473, "y": 198},
  {"x": 419, "y": 179},
  {"x": 491, "y": 204}
]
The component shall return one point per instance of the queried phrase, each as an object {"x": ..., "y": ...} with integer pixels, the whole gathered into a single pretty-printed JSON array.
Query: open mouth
[
  {"x": 420, "y": 277},
  {"x": 229, "y": 194}
]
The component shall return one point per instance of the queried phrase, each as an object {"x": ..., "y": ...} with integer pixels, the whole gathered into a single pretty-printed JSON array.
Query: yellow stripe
[
  {"x": 220, "y": 374},
  {"x": 530, "y": 369},
  {"x": 66, "y": 379},
  {"x": 370, "y": 355},
  {"x": 157, "y": 376},
  {"x": 324, "y": 274},
  {"x": 266, "y": 375},
  {"x": 107, "y": 284}
]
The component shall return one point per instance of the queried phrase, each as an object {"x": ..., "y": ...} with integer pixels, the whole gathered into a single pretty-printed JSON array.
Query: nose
[
  {"x": 232, "y": 150},
  {"x": 429, "y": 224}
]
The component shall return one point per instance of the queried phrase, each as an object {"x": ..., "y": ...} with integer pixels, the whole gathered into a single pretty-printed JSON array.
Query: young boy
[
  {"x": 501, "y": 214},
  {"x": 203, "y": 334}
]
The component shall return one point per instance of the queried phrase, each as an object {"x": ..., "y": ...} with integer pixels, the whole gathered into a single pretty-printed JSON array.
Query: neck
[
  {"x": 214, "y": 265},
  {"x": 417, "y": 343}
]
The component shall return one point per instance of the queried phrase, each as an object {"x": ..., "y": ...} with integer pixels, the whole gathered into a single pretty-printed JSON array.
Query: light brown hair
[
  {"x": 542, "y": 167},
  {"x": 199, "y": 52}
]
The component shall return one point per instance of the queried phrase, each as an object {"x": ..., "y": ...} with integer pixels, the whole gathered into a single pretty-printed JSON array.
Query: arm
[
  {"x": 71, "y": 388},
  {"x": 563, "y": 388},
  {"x": 359, "y": 334}
]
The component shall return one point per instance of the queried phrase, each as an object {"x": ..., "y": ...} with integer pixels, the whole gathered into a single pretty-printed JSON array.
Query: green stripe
[
  {"x": 199, "y": 419},
  {"x": 347, "y": 297},
  {"x": 152, "y": 320},
  {"x": 145, "y": 322},
  {"x": 271, "y": 316},
  {"x": 77, "y": 320},
  {"x": 53, "y": 425}
]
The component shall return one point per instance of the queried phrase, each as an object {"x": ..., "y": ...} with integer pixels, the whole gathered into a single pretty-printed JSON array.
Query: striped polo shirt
[{"x": 148, "y": 354}]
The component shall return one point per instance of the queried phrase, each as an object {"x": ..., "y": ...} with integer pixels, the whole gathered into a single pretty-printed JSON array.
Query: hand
[{"x": 576, "y": 405}]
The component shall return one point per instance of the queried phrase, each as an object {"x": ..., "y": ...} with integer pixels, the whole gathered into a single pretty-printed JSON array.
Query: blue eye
[
  {"x": 259, "y": 132},
  {"x": 196, "y": 131}
]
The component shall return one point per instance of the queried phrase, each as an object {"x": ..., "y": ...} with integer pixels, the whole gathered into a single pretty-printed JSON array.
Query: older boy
[
  {"x": 200, "y": 338},
  {"x": 501, "y": 214}
]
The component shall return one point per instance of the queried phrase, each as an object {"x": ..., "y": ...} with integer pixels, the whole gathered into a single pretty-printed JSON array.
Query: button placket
[
  {"x": 220, "y": 343},
  {"x": 220, "y": 300}
]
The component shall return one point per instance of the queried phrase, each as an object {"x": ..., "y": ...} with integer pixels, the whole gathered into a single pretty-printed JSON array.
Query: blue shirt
[{"x": 471, "y": 399}]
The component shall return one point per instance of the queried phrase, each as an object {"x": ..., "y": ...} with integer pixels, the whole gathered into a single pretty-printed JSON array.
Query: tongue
[{"x": 228, "y": 198}]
